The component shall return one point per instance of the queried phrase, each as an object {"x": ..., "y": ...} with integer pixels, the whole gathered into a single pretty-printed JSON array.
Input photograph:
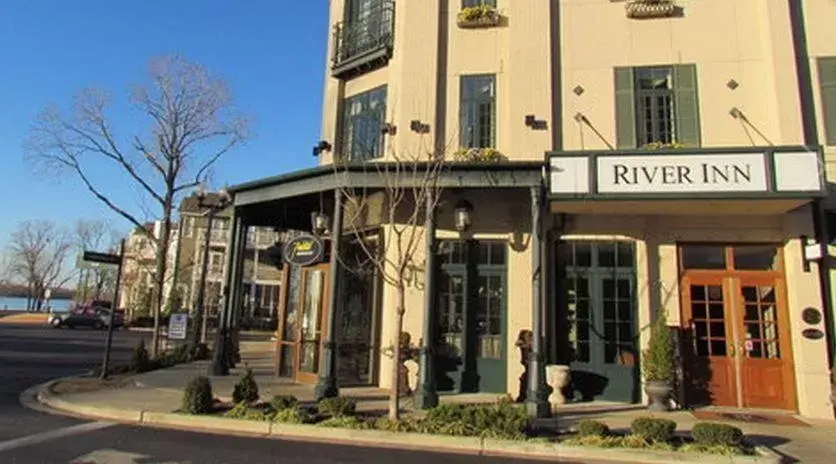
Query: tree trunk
[
  {"x": 394, "y": 395},
  {"x": 159, "y": 280}
]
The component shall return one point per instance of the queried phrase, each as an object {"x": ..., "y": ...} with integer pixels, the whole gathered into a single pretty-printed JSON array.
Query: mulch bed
[
  {"x": 88, "y": 384},
  {"x": 750, "y": 418}
]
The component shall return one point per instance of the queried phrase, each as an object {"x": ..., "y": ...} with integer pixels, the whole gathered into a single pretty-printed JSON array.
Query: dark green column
[
  {"x": 535, "y": 403},
  {"x": 237, "y": 295},
  {"x": 221, "y": 345},
  {"x": 427, "y": 397},
  {"x": 326, "y": 386}
]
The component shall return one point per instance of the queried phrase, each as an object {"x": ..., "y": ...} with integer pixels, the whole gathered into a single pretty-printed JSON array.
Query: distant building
[{"x": 185, "y": 264}]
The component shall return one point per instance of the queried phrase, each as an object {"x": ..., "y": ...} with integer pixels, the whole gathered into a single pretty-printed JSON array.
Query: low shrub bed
[
  {"x": 658, "y": 434},
  {"x": 142, "y": 362},
  {"x": 501, "y": 420}
]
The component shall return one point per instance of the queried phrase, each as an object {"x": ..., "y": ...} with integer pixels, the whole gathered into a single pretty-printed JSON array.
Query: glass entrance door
[
  {"x": 471, "y": 318},
  {"x": 599, "y": 285},
  {"x": 302, "y": 323},
  {"x": 735, "y": 313}
]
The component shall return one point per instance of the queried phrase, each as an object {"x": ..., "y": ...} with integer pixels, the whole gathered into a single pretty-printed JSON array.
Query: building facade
[{"x": 621, "y": 158}]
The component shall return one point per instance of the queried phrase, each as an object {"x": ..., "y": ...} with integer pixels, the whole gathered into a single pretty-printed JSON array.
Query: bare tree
[
  {"x": 190, "y": 125},
  {"x": 38, "y": 252},
  {"x": 410, "y": 189},
  {"x": 97, "y": 235}
]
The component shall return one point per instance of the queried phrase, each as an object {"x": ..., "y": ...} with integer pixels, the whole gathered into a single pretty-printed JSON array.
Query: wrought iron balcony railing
[{"x": 366, "y": 43}]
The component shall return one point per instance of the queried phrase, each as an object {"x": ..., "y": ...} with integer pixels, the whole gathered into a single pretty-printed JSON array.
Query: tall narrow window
[
  {"x": 363, "y": 118},
  {"x": 827, "y": 85},
  {"x": 656, "y": 105},
  {"x": 478, "y": 111}
]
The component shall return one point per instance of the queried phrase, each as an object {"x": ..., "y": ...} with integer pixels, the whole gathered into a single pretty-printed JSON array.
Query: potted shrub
[
  {"x": 641, "y": 9},
  {"x": 658, "y": 364},
  {"x": 478, "y": 16}
]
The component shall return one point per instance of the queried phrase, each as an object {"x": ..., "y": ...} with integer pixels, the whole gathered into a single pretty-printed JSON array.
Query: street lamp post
[{"x": 212, "y": 209}]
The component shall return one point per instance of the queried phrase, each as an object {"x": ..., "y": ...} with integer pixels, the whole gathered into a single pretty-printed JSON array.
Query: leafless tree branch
[{"x": 191, "y": 125}]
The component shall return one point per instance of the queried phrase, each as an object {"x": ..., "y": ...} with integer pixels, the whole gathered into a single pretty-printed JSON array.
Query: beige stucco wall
[
  {"x": 656, "y": 238},
  {"x": 819, "y": 16},
  {"x": 749, "y": 41},
  {"x": 518, "y": 57}
]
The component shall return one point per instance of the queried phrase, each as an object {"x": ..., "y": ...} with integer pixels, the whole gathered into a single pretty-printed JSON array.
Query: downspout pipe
[{"x": 811, "y": 140}]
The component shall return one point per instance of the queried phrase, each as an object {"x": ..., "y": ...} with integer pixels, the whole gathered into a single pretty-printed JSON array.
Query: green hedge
[
  {"x": 652, "y": 429},
  {"x": 711, "y": 434}
]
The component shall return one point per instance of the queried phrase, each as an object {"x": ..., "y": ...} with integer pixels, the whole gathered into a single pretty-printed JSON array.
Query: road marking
[
  {"x": 53, "y": 434},
  {"x": 112, "y": 456}
]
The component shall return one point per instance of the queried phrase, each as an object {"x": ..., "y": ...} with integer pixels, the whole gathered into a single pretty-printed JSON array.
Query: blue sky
[{"x": 271, "y": 52}]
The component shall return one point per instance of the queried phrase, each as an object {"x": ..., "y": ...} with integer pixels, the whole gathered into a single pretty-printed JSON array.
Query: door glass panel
[
  {"x": 606, "y": 255},
  {"x": 703, "y": 257},
  {"x": 583, "y": 255},
  {"x": 577, "y": 298},
  {"x": 619, "y": 339},
  {"x": 292, "y": 304},
  {"x": 760, "y": 325},
  {"x": 488, "y": 317},
  {"x": 451, "y": 314},
  {"x": 708, "y": 320},
  {"x": 625, "y": 255},
  {"x": 756, "y": 258},
  {"x": 311, "y": 315}
]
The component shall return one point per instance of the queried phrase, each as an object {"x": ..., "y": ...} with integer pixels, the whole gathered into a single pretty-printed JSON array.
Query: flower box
[
  {"x": 641, "y": 9},
  {"x": 478, "y": 17}
]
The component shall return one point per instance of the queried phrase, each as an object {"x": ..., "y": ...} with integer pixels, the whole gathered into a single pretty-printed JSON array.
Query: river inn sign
[{"x": 702, "y": 172}]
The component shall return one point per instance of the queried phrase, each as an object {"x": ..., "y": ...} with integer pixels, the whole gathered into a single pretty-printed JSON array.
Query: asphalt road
[{"x": 30, "y": 355}]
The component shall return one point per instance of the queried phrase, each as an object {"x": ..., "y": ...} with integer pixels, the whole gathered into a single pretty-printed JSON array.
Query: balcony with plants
[{"x": 365, "y": 43}]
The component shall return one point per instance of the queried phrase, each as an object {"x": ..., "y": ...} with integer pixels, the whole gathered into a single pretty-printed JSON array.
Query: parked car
[{"x": 90, "y": 316}]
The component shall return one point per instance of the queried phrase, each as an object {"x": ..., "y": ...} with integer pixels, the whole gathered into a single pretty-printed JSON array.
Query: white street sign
[{"x": 177, "y": 325}]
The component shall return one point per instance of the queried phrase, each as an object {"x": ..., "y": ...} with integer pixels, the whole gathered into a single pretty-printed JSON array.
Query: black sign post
[{"x": 105, "y": 258}]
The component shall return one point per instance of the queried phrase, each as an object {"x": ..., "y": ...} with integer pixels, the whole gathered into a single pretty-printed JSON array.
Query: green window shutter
[
  {"x": 625, "y": 108},
  {"x": 827, "y": 85},
  {"x": 686, "y": 105}
]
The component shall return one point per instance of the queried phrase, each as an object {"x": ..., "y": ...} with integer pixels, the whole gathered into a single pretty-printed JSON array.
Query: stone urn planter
[
  {"x": 660, "y": 395},
  {"x": 557, "y": 376},
  {"x": 641, "y": 9}
]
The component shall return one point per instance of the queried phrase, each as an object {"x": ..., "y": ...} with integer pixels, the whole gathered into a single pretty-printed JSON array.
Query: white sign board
[
  {"x": 177, "y": 325},
  {"x": 682, "y": 173}
]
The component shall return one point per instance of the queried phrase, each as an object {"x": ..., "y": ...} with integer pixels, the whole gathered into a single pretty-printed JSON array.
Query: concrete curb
[{"x": 383, "y": 439}]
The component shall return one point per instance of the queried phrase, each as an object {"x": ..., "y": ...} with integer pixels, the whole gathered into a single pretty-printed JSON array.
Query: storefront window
[
  {"x": 756, "y": 258},
  {"x": 703, "y": 257}
]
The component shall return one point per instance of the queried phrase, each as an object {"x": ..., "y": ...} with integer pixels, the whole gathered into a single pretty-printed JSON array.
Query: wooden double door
[
  {"x": 736, "y": 346},
  {"x": 303, "y": 323}
]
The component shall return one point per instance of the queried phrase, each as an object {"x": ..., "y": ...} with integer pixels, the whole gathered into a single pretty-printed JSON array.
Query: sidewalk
[{"x": 153, "y": 395}]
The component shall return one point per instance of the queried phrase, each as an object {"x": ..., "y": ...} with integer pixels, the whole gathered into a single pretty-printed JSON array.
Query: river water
[{"x": 7, "y": 302}]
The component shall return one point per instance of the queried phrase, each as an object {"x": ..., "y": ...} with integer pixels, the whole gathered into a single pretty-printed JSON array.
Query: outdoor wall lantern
[
  {"x": 320, "y": 147},
  {"x": 319, "y": 222},
  {"x": 462, "y": 215}
]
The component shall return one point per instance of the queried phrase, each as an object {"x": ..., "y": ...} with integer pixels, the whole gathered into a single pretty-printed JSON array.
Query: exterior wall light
[
  {"x": 462, "y": 215},
  {"x": 319, "y": 222},
  {"x": 320, "y": 147}
]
